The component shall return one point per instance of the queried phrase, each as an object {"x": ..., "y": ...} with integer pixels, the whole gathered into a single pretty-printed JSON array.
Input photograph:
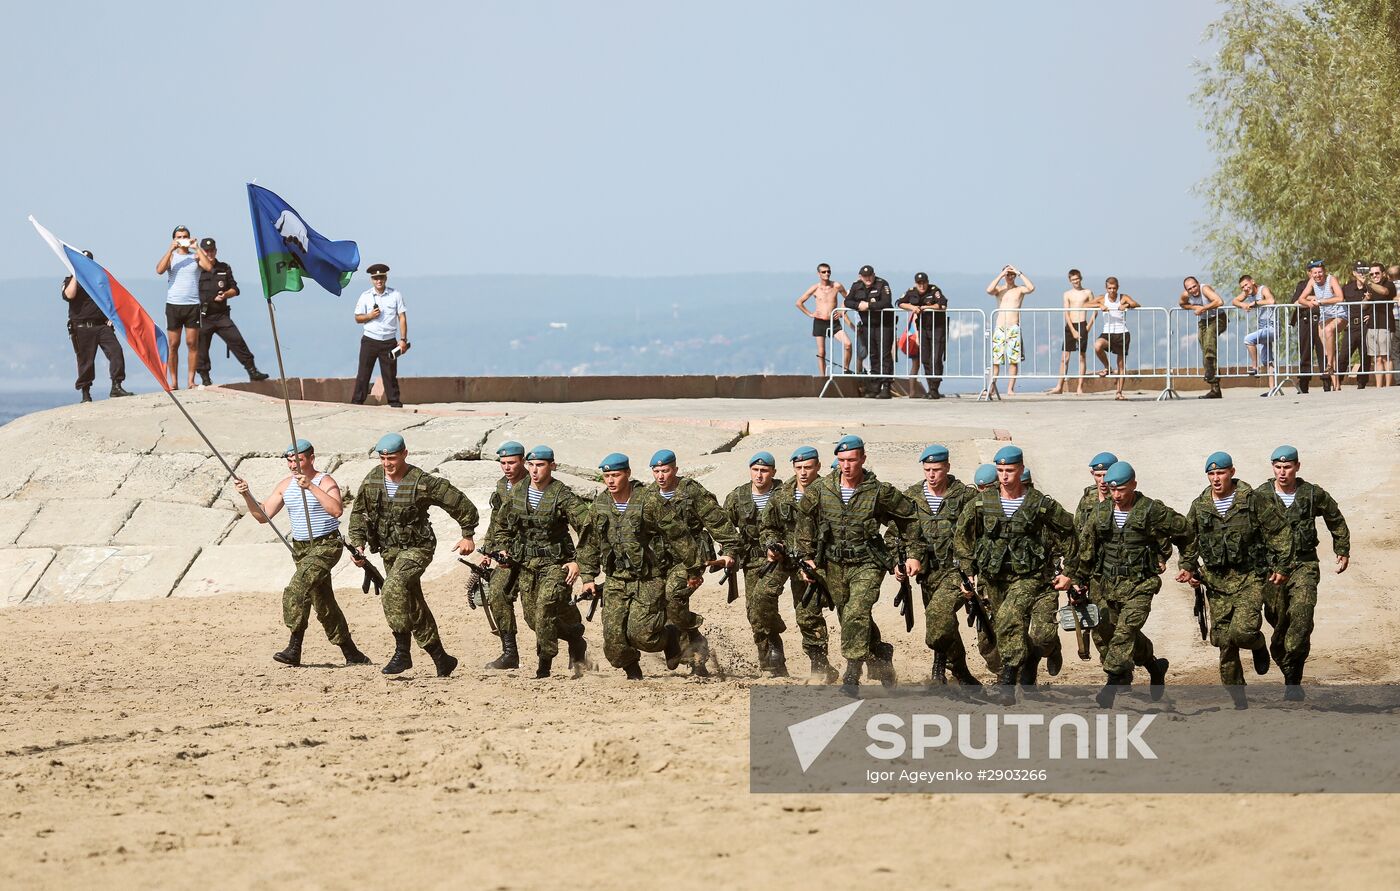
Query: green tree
[{"x": 1302, "y": 107}]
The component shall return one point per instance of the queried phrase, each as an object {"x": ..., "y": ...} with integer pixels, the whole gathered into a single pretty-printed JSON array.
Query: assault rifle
[
  {"x": 594, "y": 599},
  {"x": 728, "y": 579},
  {"x": 978, "y": 614},
  {"x": 815, "y": 586},
  {"x": 774, "y": 547},
  {"x": 372, "y": 575},
  {"x": 478, "y": 578},
  {"x": 1083, "y": 615},
  {"x": 904, "y": 600},
  {"x": 1201, "y": 610}
]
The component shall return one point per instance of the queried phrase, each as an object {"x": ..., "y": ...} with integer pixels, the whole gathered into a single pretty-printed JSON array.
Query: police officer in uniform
[
  {"x": 745, "y": 506},
  {"x": 938, "y": 501},
  {"x": 930, "y": 307},
  {"x": 381, "y": 310},
  {"x": 89, "y": 329},
  {"x": 1289, "y": 606},
  {"x": 779, "y": 525},
  {"x": 839, "y": 524},
  {"x": 501, "y": 591},
  {"x": 390, "y": 514},
  {"x": 1013, "y": 536},
  {"x": 535, "y": 532},
  {"x": 216, "y": 288},
  {"x": 1242, "y": 541},
  {"x": 869, "y": 297},
  {"x": 689, "y": 549},
  {"x": 1120, "y": 545}
]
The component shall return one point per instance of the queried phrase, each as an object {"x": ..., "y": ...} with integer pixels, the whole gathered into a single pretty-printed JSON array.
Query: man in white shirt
[{"x": 381, "y": 311}]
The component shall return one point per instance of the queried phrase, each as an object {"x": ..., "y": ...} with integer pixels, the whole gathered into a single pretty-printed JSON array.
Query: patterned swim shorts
[{"x": 1006, "y": 345}]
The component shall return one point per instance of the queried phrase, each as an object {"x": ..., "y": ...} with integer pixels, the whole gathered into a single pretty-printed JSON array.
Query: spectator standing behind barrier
[
  {"x": 1378, "y": 318},
  {"x": 826, "y": 291},
  {"x": 1077, "y": 324},
  {"x": 1393, "y": 276},
  {"x": 1006, "y": 335},
  {"x": 181, "y": 265},
  {"x": 1322, "y": 291},
  {"x": 1308, "y": 319},
  {"x": 930, "y": 309},
  {"x": 89, "y": 329},
  {"x": 381, "y": 311},
  {"x": 217, "y": 287},
  {"x": 870, "y": 296},
  {"x": 1354, "y": 293},
  {"x": 1210, "y": 324},
  {"x": 1258, "y": 299},
  {"x": 1115, "y": 338}
]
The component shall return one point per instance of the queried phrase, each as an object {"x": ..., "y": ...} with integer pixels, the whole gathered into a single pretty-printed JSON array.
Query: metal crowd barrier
[
  {"x": 877, "y": 352},
  {"x": 1354, "y": 350}
]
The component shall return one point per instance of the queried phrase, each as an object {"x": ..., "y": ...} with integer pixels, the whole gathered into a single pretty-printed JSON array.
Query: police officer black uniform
[
  {"x": 216, "y": 287},
  {"x": 932, "y": 328},
  {"x": 89, "y": 329},
  {"x": 876, "y": 335}
]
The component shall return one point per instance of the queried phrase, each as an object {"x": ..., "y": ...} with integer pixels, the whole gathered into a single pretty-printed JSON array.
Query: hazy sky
[{"x": 638, "y": 138}]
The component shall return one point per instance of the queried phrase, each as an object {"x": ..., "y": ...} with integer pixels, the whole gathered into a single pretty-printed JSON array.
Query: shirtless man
[
  {"x": 1006, "y": 335},
  {"x": 1076, "y": 329},
  {"x": 826, "y": 291}
]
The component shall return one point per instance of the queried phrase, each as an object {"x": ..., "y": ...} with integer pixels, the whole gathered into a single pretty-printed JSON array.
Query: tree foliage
[{"x": 1302, "y": 107}]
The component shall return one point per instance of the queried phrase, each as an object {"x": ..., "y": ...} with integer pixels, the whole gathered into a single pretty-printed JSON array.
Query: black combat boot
[
  {"x": 671, "y": 648},
  {"x": 205, "y": 380},
  {"x": 1029, "y": 669},
  {"x": 578, "y": 653},
  {"x": 402, "y": 660},
  {"x": 546, "y": 663},
  {"x": 118, "y": 391},
  {"x": 510, "y": 656},
  {"x": 1293, "y": 685},
  {"x": 933, "y": 392},
  {"x": 352, "y": 653},
  {"x": 822, "y": 672},
  {"x": 884, "y": 391},
  {"x": 1237, "y": 694},
  {"x": 1261, "y": 659},
  {"x": 1005, "y": 692},
  {"x": 850, "y": 681},
  {"x": 634, "y": 671},
  {"x": 1054, "y": 662},
  {"x": 292, "y": 654},
  {"x": 777, "y": 658},
  {"x": 87, "y": 395},
  {"x": 870, "y": 391},
  {"x": 882, "y": 665},
  {"x": 963, "y": 675},
  {"x": 940, "y": 669},
  {"x": 1111, "y": 689},
  {"x": 1157, "y": 674},
  {"x": 254, "y": 375},
  {"x": 444, "y": 663},
  {"x": 699, "y": 648}
]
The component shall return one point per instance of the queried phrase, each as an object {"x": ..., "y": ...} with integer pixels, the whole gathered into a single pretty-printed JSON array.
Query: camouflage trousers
[
  {"x": 942, "y": 597},
  {"x": 548, "y": 608},
  {"x": 310, "y": 588},
  {"x": 634, "y": 619},
  {"x": 1235, "y": 602},
  {"x": 404, "y": 605},
  {"x": 1026, "y": 622},
  {"x": 854, "y": 589},
  {"x": 1124, "y": 605},
  {"x": 1289, "y": 609},
  {"x": 501, "y": 592},
  {"x": 763, "y": 594},
  {"x": 678, "y": 593}
]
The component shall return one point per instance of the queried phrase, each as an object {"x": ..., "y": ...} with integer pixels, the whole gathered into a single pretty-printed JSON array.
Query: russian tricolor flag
[{"x": 128, "y": 317}]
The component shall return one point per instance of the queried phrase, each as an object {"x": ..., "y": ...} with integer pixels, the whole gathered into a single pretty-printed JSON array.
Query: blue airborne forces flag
[{"x": 290, "y": 250}]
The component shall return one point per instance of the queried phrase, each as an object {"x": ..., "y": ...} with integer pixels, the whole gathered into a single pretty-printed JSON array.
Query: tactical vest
[
  {"x": 747, "y": 521},
  {"x": 1233, "y": 542},
  {"x": 498, "y": 498},
  {"x": 628, "y": 552},
  {"x": 397, "y": 522},
  {"x": 1011, "y": 545},
  {"x": 849, "y": 533},
  {"x": 936, "y": 530},
  {"x": 683, "y": 504},
  {"x": 1302, "y": 523},
  {"x": 542, "y": 533},
  {"x": 1128, "y": 552}
]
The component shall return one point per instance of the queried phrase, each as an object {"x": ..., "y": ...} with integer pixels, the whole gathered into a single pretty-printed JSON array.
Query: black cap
[
  {"x": 208, "y": 244},
  {"x": 867, "y": 270},
  {"x": 378, "y": 269},
  {"x": 921, "y": 278}
]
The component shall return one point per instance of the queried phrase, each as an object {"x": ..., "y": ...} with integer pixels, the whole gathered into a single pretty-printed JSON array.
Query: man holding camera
[
  {"x": 181, "y": 265},
  {"x": 217, "y": 287},
  {"x": 89, "y": 329},
  {"x": 381, "y": 311}
]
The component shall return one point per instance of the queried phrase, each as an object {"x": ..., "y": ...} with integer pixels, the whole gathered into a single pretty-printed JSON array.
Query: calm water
[{"x": 15, "y": 404}]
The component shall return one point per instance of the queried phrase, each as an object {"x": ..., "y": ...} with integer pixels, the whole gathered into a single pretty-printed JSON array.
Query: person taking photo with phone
[{"x": 181, "y": 265}]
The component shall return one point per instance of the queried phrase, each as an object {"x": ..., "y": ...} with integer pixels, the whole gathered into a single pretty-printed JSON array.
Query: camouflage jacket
[
  {"x": 498, "y": 498},
  {"x": 1026, "y": 544},
  {"x": 830, "y": 531},
  {"x": 627, "y": 546},
  {"x": 1135, "y": 551},
  {"x": 741, "y": 510},
  {"x": 402, "y": 521},
  {"x": 1310, "y": 502},
  {"x": 935, "y": 531},
  {"x": 540, "y": 536},
  {"x": 695, "y": 524},
  {"x": 1253, "y": 537}
]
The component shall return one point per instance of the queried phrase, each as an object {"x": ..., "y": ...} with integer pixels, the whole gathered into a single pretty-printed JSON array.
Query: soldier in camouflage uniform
[
  {"x": 1012, "y": 537},
  {"x": 390, "y": 515},
  {"x": 839, "y": 522},
  {"x": 745, "y": 506},
  {"x": 501, "y": 591},
  {"x": 626, "y": 541},
  {"x": 689, "y": 549},
  {"x": 1242, "y": 540},
  {"x": 1289, "y": 606},
  {"x": 938, "y": 501},
  {"x": 779, "y": 524},
  {"x": 316, "y": 548},
  {"x": 1120, "y": 544},
  {"x": 534, "y": 531}
]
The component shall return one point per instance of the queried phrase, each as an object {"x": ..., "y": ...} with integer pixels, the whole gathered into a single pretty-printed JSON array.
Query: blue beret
[
  {"x": 1103, "y": 461},
  {"x": 804, "y": 453},
  {"x": 934, "y": 453},
  {"x": 986, "y": 475},
  {"x": 390, "y": 443},
  {"x": 509, "y": 449},
  {"x": 1025, "y": 475},
  {"x": 665, "y": 456},
  {"x": 848, "y": 443},
  {"x": 1009, "y": 455},
  {"x": 835, "y": 464},
  {"x": 615, "y": 461},
  {"x": 764, "y": 458},
  {"x": 301, "y": 447},
  {"x": 1121, "y": 472},
  {"x": 540, "y": 453},
  {"x": 1219, "y": 461},
  {"x": 1284, "y": 453}
]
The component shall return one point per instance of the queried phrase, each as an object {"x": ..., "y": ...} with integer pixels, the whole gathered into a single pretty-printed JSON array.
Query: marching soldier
[
  {"x": 1241, "y": 541},
  {"x": 839, "y": 522},
  {"x": 625, "y": 541},
  {"x": 1097, "y": 493},
  {"x": 689, "y": 549},
  {"x": 780, "y": 527},
  {"x": 1289, "y": 606},
  {"x": 745, "y": 506},
  {"x": 315, "y": 548},
  {"x": 501, "y": 591},
  {"x": 1120, "y": 543},
  {"x": 938, "y": 501},
  {"x": 985, "y": 477},
  {"x": 534, "y": 531},
  {"x": 1012, "y": 537},
  {"x": 390, "y": 515}
]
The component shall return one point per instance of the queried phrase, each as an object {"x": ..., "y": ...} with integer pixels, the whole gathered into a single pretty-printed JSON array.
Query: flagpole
[{"x": 287, "y": 403}]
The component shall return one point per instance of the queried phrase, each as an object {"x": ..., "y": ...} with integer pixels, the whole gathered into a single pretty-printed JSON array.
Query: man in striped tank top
[
  {"x": 316, "y": 548},
  {"x": 745, "y": 507},
  {"x": 501, "y": 591}
]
